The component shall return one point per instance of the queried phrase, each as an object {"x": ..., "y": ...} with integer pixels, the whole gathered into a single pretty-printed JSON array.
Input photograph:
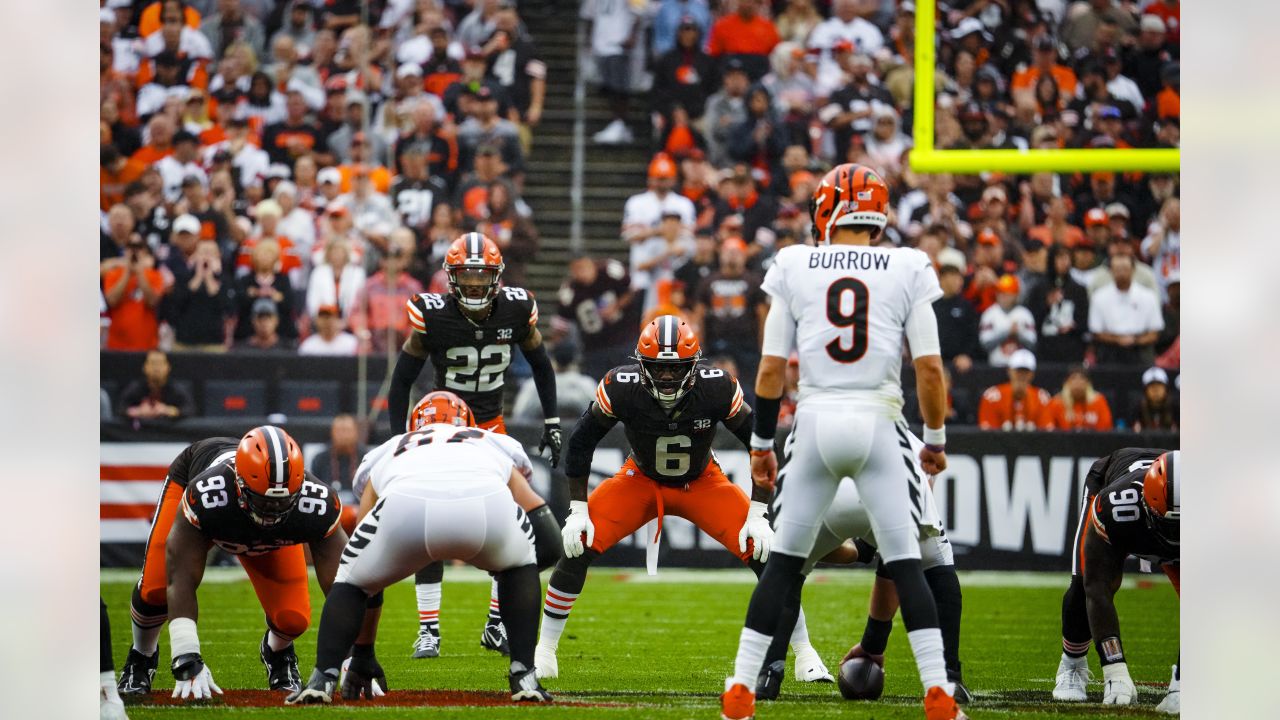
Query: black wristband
[
  {"x": 362, "y": 652},
  {"x": 766, "y": 416},
  {"x": 187, "y": 666}
]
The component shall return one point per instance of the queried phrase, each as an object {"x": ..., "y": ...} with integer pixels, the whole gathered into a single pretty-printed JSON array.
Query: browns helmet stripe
[
  {"x": 279, "y": 457},
  {"x": 475, "y": 247}
]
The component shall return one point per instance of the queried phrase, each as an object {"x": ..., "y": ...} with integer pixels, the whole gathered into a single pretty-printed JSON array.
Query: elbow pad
[
  {"x": 408, "y": 368},
  {"x": 582, "y": 444},
  {"x": 547, "y": 544}
]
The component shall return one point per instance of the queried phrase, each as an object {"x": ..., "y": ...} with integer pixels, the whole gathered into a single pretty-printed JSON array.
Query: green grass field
[{"x": 661, "y": 647}]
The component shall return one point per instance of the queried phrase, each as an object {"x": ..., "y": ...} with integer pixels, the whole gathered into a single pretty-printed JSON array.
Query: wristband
[
  {"x": 551, "y": 421},
  {"x": 183, "y": 638},
  {"x": 935, "y": 437},
  {"x": 759, "y": 444}
]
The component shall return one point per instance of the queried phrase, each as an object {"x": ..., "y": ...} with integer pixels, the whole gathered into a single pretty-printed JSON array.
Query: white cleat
[
  {"x": 1172, "y": 702},
  {"x": 809, "y": 666},
  {"x": 545, "y": 663},
  {"x": 1073, "y": 679}
]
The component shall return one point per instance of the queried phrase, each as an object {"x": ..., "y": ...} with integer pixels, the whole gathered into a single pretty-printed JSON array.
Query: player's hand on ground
[
  {"x": 857, "y": 652},
  {"x": 764, "y": 469},
  {"x": 933, "y": 461},
  {"x": 575, "y": 526},
  {"x": 363, "y": 677},
  {"x": 193, "y": 679},
  {"x": 553, "y": 438},
  {"x": 757, "y": 530},
  {"x": 1117, "y": 686}
]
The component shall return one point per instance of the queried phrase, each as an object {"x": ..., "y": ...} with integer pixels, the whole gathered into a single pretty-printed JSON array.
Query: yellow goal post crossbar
[{"x": 928, "y": 159}]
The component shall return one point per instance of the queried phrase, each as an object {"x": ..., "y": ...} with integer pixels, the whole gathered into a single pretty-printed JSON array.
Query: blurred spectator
[
  {"x": 250, "y": 161},
  {"x": 265, "y": 330},
  {"x": 336, "y": 282},
  {"x": 797, "y": 20},
  {"x": 1120, "y": 246},
  {"x": 1172, "y": 314},
  {"x": 852, "y": 107},
  {"x": 115, "y": 173},
  {"x": 133, "y": 289},
  {"x": 746, "y": 35},
  {"x": 415, "y": 191},
  {"x": 1078, "y": 406},
  {"x": 183, "y": 238},
  {"x": 516, "y": 235},
  {"x": 574, "y": 390},
  {"x": 672, "y": 299},
  {"x": 643, "y": 214},
  {"x": 265, "y": 281},
  {"x": 434, "y": 243},
  {"x": 119, "y": 233},
  {"x": 1006, "y": 326},
  {"x": 1023, "y": 86},
  {"x": 1144, "y": 62},
  {"x": 1035, "y": 266},
  {"x": 845, "y": 25},
  {"x": 269, "y": 213},
  {"x": 159, "y": 143},
  {"x": 1017, "y": 404},
  {"x": 293, "y": 136},
  {"x": 486, "y": 127},
  {"x": 729, "y": 310},
  {"x": 514, "y": 63},
  {"x": 1163, "y": 244},
  {"x": 231, "y": 23},
  {"x": 1124, "y": 317},
  {"x": 886, "y": 144},
  {"x": 672, "y": 17},
  {"x": 988, "y": 265},
  {"x": 683, "y": 74},
  {"x": 751, "y": 208},
  {"x": 658, "y": 256},
  {"x": 297, "y": 224},
  {"x": 298, "y": 25},
  {"x": 790, "y": 393},
  {"x": 182, "y": 164},
  {"x": 1060, "y": 306},
  {"x": 362, "y": 164},
  {"x": 759, "y": 139},
  {"x": 329, "y": 337},
  {"x": 479, "y": 24},
  {"x": 616, "y": 28},
  {"x": 441, "y": 149},
  {"x": 472, "y": 192},
  {"x": 155, "y": 397},
  {"x": 1080, "y": 26},
  {"x": 597, "y": 299},
  {"x": 336, "y": 464},
  {"x": 1056, "y": 229},
  {"x": 957, "y": 319},
  {"x": 199, "y": 302},
  {"x": 1157, "y": 410},
  {"x": 726, "y": 109},
  {"x": 701, "y": 264},
  {"x": 380, "y": 318},
  {"x": 1119, "y": 84},
  {"x": 371, "y": 210}
]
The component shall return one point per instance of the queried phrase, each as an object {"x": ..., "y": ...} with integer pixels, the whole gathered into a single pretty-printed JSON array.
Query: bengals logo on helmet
[
  {"x": 850, "y": 194},
  {"x": 472, "y": 256},
  {"x": 441, "y": 406}
]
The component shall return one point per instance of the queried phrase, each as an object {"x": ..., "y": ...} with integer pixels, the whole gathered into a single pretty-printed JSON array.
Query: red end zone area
[{"x": 396, "y": 698}]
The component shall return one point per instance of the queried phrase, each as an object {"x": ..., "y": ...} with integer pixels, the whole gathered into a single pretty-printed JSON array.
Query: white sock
[
  {"x": 146, "y": 640},
  {"x": 752, "y": 647},
  {"x": 1070, "y": 663},
  {"x": 555, "y": 613},
  {"x": 277, "y": 642},
  {"x": 108, "y": 682},
  {"x": 428, "y": 606},
  {"x": 495, "y": 614},
  {"x": 800, "y": 634},
  {"x": 926, "y": 645}
]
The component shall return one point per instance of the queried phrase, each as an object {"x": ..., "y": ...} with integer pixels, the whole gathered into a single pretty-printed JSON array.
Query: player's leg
[
  {"x": 1172, "y": 701},
  {"x": 112, "y": 707},
  {"x": 426, "y": 586},
  {"x": 494, "y": 635},
  {"x": 1073, "y": 668},
  {"x": 280, "y": 581},
  {"x": 617, "y": 507},
  {"x": 940, "y": 573}
]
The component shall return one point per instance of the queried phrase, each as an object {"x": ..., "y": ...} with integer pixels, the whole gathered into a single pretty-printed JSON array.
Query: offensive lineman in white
[
  {"x": 847, "y": 307},
  {"x": 445, "y": 490}
]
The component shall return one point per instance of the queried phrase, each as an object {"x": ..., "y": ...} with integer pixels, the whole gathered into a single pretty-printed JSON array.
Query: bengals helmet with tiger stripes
[
  {"x": 850, "y": 194},
  {"x": 668, "y": 352},
  {"x": 269, "y": 474},
  {"x": 476, "y": 259},
  {"x": 1162, "y": 496},
  {"x": 441, "y": 406}
]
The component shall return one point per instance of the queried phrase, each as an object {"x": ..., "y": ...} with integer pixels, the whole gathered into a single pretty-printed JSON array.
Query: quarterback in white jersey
[
  {"x": 848, "y": 307},
  {"x": 445, "y": 490}
]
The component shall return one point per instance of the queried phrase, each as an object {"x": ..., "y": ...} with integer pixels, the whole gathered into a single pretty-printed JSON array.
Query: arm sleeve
[
  {"x": 407, "y": 370},
  {"x": 922, "y": 331},
  {"x": 780, "y": 329},
  {"x": 546, "y": 537},
  {"x": 740, "y": 425},
  {"x": 588, "y": 433},
  {"x": 544, "y": 378}
]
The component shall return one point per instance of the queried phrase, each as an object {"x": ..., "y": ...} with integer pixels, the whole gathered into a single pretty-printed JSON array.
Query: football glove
[
  {"x": 194, "y": 681},
  {"x": 1117, "y": 686},
  {"x": 363, "y": 677},
  {"x": 578, "y": 522},
  {"x": 757, "y": 530},
  {"x": 552, "y": 438}
]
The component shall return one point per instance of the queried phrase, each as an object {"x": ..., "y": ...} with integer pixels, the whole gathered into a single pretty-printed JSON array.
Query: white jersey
[
  {"x": 442, "y": 460},
  {"x": 849, "y": 306}
]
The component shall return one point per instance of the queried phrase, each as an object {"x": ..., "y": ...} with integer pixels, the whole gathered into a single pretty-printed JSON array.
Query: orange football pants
[
  {"x": 497, "y": 425},
  {"x": 625, "y": 502}
]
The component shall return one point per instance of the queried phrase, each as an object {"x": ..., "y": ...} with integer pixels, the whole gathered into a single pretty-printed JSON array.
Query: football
[{"x": 860, "y": 679}]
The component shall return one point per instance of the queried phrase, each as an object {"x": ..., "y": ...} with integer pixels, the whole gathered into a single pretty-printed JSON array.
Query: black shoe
[
  {"x": 962, "y": 694},
  {"x": 769, "y": 682},
  {"x": 139, "y": 671},
  {"x": 526, "y": 688},
  {"x": 282, "y": 667},
  {"x": 494, "y": 637},
  {"x": 320, "y": 688}
]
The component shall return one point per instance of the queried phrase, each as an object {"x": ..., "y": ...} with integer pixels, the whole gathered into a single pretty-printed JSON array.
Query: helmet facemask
[
  {"x": 1165, "y": 527},
  {"x": 474, "y": 287},
  {"x": 668, "y": 380},
  {"x": 266, "y": 510}
]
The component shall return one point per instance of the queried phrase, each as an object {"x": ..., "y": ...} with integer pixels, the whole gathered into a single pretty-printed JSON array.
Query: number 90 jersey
[
  {"x": 471, "y": 358},
  {"x": 1117, "y": 513},
  {"x": 849, "y": 307},
  {"x": 672, "y": 449},
  {"x": 210, "y": 505}
]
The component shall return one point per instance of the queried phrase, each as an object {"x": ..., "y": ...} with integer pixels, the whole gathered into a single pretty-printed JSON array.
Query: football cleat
[
  {"x": 1172, "y": 702},
  {"x": 1073, "y": 679},
  {"x": 545, "y": 662},
  {"x": 319, "y": 690},
  {"x": 809, "y": 666},
  {"x": 427, "y": 645},
  {"x": 961, "y": 694},
  {"x": 737, "y": 702},
  {"x": 139, "y": 670},
  {"x": 282, "y": 666},
  {"x": 769, "y": 682},
  {"x": 526, "y": 688},
  {"x": 938, "y": 705},
  {"x": 494, "y": 637}
]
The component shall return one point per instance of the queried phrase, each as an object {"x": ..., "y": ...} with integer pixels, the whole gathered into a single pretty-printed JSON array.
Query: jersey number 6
[{"x": 855, "y": 319}]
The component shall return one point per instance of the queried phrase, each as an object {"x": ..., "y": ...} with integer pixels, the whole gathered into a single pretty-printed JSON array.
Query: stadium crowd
[{"x": 283, "y": 175}]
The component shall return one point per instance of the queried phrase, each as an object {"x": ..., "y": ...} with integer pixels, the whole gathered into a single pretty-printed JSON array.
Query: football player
[
  {"x": 846, "y": 537},
  {"x": 1131, "y": 506},
  {"x": 252, "y": 498},
  {"x": 444, "y": 490},
  {"x": 848, "y": 306},
  {"x": 468, "y": 335},
  {"x": 110, "y": 704},
  {"x": 669, "y": 405}
]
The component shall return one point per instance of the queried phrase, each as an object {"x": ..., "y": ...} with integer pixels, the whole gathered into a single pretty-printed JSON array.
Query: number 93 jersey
[
  {"x": 674, "y": 448},
  {"x": 470, "y": 358},
  {"x": 849, "y": 306},
  {"x": 1117, "y": 513},
  {"x": 210, "y": 505}
]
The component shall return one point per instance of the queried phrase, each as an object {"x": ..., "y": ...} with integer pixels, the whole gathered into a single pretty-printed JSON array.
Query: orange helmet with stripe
[
  {"x": 1162, "y": 496},
  {"x": 474, "y": 266},
  {"x": 441, "y": 406},
  {"x": 668, "y": 352},
  {"x": 849, "y": 195},
  {"x": 269, "y": 474}
]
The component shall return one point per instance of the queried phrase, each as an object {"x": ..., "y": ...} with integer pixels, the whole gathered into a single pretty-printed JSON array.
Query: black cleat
[
  {"x": 494, "y": 637},
  {"x": 282, "y": 667},
  {"x": 526, "y": 688},
  {"x": 139, "y": 671},
  {"x": 962, "y": 694},
  {"x": 319, "y": 689},
  {"x": 769, "y": 682}
]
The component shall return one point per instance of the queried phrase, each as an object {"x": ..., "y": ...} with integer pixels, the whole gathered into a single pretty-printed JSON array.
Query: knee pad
[
  {"x": 145, "y": 613},
  {"x": 289, "y": 622}
]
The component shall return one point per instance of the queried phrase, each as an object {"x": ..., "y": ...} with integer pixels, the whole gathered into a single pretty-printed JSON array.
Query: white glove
[
  {"x": 1117, "y": 686},
  {"x": 200, "y": 687},
  {"x": 757, "y": 529},
  {"x": 578, "y": 522}
]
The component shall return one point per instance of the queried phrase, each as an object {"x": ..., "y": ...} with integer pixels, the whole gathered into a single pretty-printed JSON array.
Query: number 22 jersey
[
  {"x": 849, "y": 305},
  {"x": 470, "y": 358}
]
